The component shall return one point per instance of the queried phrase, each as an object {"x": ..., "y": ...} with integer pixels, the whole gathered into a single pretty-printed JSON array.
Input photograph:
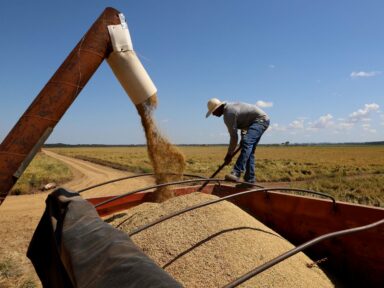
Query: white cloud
[
  {"x": 297, "y": 124},
  {"x": 367, "y": 127},
  {"x": 364, "y": 123},
  {"x": 344, "y": 125},
  {"x": 362, "y": 114},
  {"x": 323, "y": 122},
  {"x": 263, "y": 104},
  {"x": 276, "y": 127},
  {"x": 382, "y": 119},
  {"x": 364, "y": 74}
]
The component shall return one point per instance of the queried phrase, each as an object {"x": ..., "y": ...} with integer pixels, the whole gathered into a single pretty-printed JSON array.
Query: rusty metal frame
[{"x": 37, "y": 122}]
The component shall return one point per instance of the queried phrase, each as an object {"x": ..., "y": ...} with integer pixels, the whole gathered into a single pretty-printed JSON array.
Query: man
[{"x": 241, "y": 116}]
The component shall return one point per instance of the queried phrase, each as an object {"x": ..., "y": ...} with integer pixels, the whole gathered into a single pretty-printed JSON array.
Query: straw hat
[{"x": 213, "y": 104}]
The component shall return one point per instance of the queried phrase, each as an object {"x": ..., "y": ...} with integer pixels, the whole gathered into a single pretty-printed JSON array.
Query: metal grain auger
[{"x": 108, "y": 38}]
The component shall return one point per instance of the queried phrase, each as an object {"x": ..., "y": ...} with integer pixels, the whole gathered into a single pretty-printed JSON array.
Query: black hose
[
  {"x": 137, "y": 230},
  {"x": 298, "y": 249}
]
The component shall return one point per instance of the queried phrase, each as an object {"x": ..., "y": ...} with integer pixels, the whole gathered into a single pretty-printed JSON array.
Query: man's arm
[{"x": 231, "y": 123}]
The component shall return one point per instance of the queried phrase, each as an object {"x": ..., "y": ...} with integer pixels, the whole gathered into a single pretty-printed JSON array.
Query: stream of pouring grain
[{"x": 165, "y": 157}]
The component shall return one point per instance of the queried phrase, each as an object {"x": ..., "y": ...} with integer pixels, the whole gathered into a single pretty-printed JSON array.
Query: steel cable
[
  {"x": 133, "y": 176},
  {"x": 166, "y": 217},
  {"x": 154, "y": 186}
]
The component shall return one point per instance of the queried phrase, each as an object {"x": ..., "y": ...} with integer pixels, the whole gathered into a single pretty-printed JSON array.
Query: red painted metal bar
[{"x": 37, "y": 122}]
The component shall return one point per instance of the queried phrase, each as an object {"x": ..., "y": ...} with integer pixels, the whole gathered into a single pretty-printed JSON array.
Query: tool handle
[{"x": 218, "y": 170}]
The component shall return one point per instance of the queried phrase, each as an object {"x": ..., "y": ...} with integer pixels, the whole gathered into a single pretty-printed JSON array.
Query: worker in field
[{"x": 248, "y": 118}]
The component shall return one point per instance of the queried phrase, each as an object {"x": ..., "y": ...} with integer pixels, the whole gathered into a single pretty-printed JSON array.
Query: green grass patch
[
  {"x": 42, "y": 170},
  {"x": 9, "y": 268},
  {"x": 12, "y": 274}
]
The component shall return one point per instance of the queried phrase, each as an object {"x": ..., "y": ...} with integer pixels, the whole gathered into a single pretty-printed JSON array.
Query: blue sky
[{"x": 316, "y": 67}]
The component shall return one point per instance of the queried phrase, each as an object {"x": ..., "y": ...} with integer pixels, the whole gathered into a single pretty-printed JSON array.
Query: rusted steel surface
[
  {"x": 299, "y": 219},
  {"x": 54, "y": 99},
  {"x": 118, "y": 205}
]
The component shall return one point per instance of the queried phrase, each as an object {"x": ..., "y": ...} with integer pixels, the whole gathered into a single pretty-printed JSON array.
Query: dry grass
[
  {"x": 42, "y": 170},
  {"x": 306, "y": 162},
  {"x": 366, "y": 190},
  {"x": 272, "y": 163},
  {"x": 337, "y": 170},
  {"x": 13, "y": 272}
]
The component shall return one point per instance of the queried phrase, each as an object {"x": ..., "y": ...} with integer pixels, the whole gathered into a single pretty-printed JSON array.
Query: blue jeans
[{"x": 246, "y": 160}]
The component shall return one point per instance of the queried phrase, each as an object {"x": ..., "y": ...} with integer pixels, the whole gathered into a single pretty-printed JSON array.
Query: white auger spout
[{"x": 127, "y": 66}]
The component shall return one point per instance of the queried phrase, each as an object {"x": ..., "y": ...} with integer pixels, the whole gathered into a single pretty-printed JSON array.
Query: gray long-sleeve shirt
[{"x": 240, "y": 116}]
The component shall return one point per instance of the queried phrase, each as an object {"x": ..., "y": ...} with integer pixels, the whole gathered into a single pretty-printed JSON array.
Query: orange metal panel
[
  {"x": 299, "y": 219},
  {"x": 118, "y": 205}
]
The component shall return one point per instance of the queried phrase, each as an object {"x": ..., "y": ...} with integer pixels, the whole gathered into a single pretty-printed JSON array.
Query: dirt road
[
  {"x": 19, "y": 215},
  {"x": 88, "y": 174}
]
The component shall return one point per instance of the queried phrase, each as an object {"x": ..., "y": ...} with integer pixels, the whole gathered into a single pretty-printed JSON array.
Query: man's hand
[
  {"x": 243, "y": 133},
  {"x": 227, "y": 158}
]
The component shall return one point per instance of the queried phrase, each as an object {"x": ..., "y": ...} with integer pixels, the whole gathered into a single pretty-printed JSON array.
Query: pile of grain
[
  {"x": 166, "y": 159},
  {"x": 216, "y": 244}
]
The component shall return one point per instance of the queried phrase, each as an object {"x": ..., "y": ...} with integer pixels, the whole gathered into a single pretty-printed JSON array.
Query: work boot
[
  {"x": 232, "y": 177},
  {"x": 249, "y": 185}
]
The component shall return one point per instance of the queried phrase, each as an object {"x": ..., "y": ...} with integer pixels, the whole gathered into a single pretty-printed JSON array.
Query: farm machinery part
[
  {"x": 297, "y": 218},
  {"x": 323, "y": 227},
  {"x": 108, "y": 38}
]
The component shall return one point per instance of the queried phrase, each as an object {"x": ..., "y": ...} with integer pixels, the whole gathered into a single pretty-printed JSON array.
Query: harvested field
[
  {"x": 214, "y": 245},
  {"x": 350, "y": 173}
]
